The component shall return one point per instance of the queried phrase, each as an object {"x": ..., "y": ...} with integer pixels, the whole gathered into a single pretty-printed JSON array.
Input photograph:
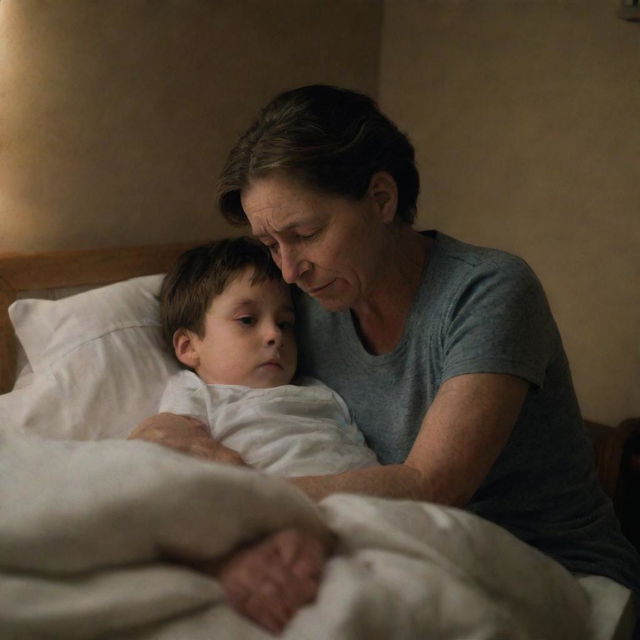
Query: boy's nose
[{"x": 273, "y": 335}]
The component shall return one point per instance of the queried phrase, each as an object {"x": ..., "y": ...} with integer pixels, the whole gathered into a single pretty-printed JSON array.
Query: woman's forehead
[
  {"x": 277, "y": 205},
  {"x": 281, "y": 225},
  {"x": 274, "y": 190}
]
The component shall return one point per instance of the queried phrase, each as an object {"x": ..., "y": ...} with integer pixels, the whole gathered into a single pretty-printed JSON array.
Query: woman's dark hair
[
  {"x": 202, "y": 273},
  {"x": 329, "y": 139}
]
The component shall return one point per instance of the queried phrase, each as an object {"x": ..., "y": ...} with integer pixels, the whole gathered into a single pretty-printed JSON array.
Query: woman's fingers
[
  {"x": 304, "y": 555},
  {"x": 204, "y": 448},
  {"x": 195, "y": 446},
  {"x": 265, "y": 606},
  {"x": 228, "y": 456},
  {"x": 186, "y": 434},
  {"x": 271, "y": 580},
  {"x": 163, "y": 425}
]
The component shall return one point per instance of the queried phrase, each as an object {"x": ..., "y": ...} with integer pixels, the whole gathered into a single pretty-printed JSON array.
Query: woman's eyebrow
[{"x": 286, "y": 227}]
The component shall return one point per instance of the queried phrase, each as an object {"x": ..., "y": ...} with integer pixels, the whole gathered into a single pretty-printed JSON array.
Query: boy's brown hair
[{"x": 202, "y": 273}]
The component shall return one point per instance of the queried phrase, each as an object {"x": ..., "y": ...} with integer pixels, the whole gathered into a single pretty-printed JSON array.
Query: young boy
[{"x": 229, "y": 318}]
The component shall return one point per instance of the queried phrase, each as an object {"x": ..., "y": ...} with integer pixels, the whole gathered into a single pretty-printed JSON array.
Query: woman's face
[{"x": 329, "y": 246}]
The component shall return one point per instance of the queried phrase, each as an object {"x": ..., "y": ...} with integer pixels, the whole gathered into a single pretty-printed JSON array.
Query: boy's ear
[{"x": 185, "y": 348}]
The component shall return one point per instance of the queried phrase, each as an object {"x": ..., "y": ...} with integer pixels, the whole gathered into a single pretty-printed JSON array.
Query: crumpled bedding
[{"x": 89, "y": 533}]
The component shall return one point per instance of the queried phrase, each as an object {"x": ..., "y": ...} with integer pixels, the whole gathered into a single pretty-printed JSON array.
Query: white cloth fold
[{"x": 86, "y": 529}]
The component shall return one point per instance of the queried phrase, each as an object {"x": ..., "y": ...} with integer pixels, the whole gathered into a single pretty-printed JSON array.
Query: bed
[{"x": 70, "y": 569}]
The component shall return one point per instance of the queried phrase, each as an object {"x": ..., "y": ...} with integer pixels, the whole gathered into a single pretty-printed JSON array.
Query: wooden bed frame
[
  {"x": 616, "y": 450},
  {"x": 20, "y": 273}
]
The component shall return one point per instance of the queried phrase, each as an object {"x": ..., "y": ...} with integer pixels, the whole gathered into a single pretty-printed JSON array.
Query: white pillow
[{"x": 98, "y": 361}]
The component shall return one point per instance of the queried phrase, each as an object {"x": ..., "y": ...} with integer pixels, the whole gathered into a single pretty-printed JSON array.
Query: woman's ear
[
  {"x": 384, "y": 191},
  {"x": 185, "y": 347}
]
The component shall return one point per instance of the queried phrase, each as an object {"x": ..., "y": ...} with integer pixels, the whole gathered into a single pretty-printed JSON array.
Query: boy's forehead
[{"x": 243, "y": 288}]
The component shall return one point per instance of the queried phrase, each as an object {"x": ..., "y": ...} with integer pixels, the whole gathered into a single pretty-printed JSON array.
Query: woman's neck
[{"x": 381, "y": 318}]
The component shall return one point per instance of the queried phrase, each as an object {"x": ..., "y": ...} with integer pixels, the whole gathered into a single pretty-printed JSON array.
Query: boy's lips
[{"x": 272, "y": 363}]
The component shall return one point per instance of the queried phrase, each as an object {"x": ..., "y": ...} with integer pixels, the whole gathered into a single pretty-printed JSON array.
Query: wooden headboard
[{"x": 21, "y": 273}]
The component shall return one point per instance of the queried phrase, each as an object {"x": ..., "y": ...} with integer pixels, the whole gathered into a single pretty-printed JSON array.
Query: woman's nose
[{"x": 292, "y": 265}]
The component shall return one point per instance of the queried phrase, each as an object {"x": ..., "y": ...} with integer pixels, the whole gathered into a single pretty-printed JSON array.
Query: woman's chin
[
  {"x": 332, "y": 299},
  {"x": 334, "y": 305}
]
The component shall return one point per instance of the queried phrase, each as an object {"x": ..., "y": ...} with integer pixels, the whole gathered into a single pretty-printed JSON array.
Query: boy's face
[{"x": 249, "y": 337}]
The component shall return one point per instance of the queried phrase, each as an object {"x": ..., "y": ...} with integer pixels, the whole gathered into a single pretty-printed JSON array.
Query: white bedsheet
[{"x": 85, "y": 530}]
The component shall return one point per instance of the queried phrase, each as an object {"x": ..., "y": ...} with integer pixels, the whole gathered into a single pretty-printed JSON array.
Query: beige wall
[
  {"x": 525, "y": 118},
  {"x": 116, "y": 115}
]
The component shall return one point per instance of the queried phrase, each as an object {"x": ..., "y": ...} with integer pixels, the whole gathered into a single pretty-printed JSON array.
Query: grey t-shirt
[{"x": 481, "y": 310}]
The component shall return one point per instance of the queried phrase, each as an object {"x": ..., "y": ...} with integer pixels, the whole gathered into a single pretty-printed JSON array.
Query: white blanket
[{"x": 86, "y": 530}]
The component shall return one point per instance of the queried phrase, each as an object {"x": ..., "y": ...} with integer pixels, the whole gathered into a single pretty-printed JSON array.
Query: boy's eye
[
  {"x": 248, "y": 320},
  {"x": 286, "y": 325}
]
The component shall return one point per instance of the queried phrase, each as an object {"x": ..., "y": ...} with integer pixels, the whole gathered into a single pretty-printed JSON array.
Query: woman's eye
[
  {"x": 273, "y": 248},
  {"x": 307, "y": 236}
]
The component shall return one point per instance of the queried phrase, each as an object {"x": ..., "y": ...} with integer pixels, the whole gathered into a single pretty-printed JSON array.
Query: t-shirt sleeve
[
  {"x": 499, "y": 321},
  {"x": 183, "y": 395}
]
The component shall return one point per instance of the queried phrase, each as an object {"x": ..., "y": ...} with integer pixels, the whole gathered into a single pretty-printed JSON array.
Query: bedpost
[
  {"x": 7, "y": 339},
  {"x": 617, "y": 457}
]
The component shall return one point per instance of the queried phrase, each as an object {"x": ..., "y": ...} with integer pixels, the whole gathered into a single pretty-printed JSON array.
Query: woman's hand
[
  {"x": 186, "y": 434},
  {"x": 271, "y": 580}
]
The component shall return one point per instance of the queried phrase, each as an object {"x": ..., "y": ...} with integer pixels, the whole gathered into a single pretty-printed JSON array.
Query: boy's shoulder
[{"x": 184, "y": 379}]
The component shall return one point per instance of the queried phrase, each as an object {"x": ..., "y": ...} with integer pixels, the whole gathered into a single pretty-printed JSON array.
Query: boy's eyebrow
[
  {"x": 251, "y": 303},
  {"x": 244, "y": 303}
]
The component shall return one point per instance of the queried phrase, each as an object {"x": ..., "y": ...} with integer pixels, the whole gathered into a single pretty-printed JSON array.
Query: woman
[{"x": 446, "y": 353}]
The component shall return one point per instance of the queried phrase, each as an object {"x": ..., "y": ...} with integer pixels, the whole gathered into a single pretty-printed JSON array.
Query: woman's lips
[{"x": 316, "y": 290}]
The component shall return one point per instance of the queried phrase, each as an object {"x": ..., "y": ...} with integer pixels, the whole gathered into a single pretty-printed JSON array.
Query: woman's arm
[{"x": 461, "y": 436}]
